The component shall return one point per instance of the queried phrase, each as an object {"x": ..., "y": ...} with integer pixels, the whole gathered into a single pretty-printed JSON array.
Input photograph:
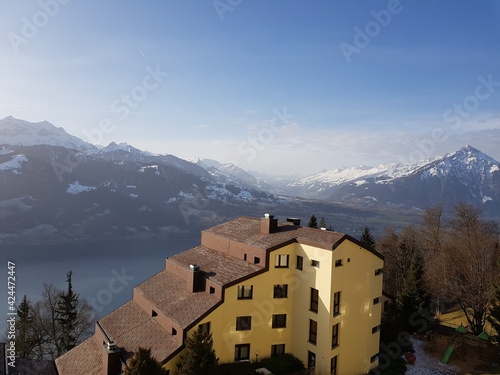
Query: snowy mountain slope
[
  {"x": 466, "y": 175},
  {"x": 23, "y": 133}
]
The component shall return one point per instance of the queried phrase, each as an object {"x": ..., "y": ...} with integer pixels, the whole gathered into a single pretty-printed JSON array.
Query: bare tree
[
  {"x": 48, "y": 331},
  {"x": 466, "y": 267}
]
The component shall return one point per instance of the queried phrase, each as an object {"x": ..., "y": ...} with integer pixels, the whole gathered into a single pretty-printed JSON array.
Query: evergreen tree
[
  {"x": 25, "y": 335},
  {"x": 67, "y": 315},
  {"x": 413, "y": 299},
  {"x": 143, "y": 363},
  {"x": 199, "y": 357},
  {"x": 494, "y": 317},
  {"x": 366, "y": 238},
  {"x": 322, "y": 223},
  {"x": 313, "y": 222}
]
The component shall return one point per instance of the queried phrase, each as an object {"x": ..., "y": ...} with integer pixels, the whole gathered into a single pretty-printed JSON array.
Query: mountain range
[{"x": 57, "y": 187}]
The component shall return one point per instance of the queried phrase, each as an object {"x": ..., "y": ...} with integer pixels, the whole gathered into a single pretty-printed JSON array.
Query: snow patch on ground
[
  {"x": 427, "y": 364},
  {"x": 14, "y": 164},
  {"x": 76, "y": 188}
]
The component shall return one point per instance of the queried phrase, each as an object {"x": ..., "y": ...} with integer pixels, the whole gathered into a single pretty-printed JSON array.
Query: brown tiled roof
[
  {"x": 219, "y": 267},
  {"x": 247, "y": 230},
  {"x": 130, "y": 327},
  {"x": 170, "y": 295},
  {"x": 85, "y": 359}
]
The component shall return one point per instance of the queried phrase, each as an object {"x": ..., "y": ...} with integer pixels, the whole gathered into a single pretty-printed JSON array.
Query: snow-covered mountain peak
[
  {"x": 123, "y": 146},
  {"x": 18, "y": 132}
]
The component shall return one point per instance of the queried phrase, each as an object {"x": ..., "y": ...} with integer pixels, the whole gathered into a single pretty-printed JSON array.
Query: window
[
  {"x": 242, "y": 352},
  {"x": 375, "y": 329},
  {"x": 335, "y": 335},
  {"x": 314, "y": 300},
  {"x": 338, "y": 262},
  {"x": 153, "y": 313},
  {"x": 280, "y": 291},
  {"x": 245, "y": 291},
  {"x": 376, "y": 300},
  {"x": 379, "y": 271},
  {"x": 300, "y": 262},
  {"x": 279, "y": 321},
  {"x": 174, "y": 331},
  {"x": 204, "y": 329},
  {"x": 313, "y": 331},
  {"x": 277, "y": 350},
  {"x": 334, "y": 365},
  {"x": 243, "y": 323},
  {"x": 282, "y": 261},
  {"x": 311, "y": 360},
  {"x": 212, "y": 290},
  {"x": 336, "y": 303},
  {"x": 245, "y": 256},
  {"x": 315, "y": 263},
  {"x": 256, "y": 260}
]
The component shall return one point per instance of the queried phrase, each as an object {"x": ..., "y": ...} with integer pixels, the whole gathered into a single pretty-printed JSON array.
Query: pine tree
[
  {"x": 199, "y": 357},
  {"x": 366, "y": 238},
  {"x": 25, "y": 335},
  {"x": 494, "y": 317},
  {"x": 67, "y": 315},
  {"x": 313, "y": 222},
  {"x": 143, "y": 363}
]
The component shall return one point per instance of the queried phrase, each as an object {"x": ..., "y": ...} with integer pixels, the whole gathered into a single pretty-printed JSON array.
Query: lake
[{"x": 104, "y": 272}]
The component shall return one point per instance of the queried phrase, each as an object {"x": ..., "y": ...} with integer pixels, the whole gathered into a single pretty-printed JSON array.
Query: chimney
[
  {"x": 293, "y": 220},
  {"x": 195, "y": 281},
  {"x": 112, "y": 364},
  {"x": 268, "y": 224}
]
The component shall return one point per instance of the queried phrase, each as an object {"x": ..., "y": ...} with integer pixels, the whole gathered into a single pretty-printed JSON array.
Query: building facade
[{"x": 262, "y": 288}]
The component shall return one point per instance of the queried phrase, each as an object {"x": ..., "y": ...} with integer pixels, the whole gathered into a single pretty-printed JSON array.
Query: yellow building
[{"x": 262, "y": 288}]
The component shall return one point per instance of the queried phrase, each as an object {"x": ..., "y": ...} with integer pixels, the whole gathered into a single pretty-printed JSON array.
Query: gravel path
[{"x": 426, "y": 364}]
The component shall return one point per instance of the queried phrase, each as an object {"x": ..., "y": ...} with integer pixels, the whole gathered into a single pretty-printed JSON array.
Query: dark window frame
[
  {"x": 336, "y": 303},
  {"x": 335, "y": 335},
  {"x": 314, "y": 301},
  {"x": 243, "y": 292},
  {"x": 202, "y": 328},
  {"x": 313, "y": 331},
  {"x": 300, "y": 262},
  {"x": 279, "y": 321},
  {"x": 238, "y": 352},
  {"x": 244, "y": 323},
  {"x": 280, "y": 291},
  {"x": 278, "y": 261},
  {"x": 277, "y": 350}
]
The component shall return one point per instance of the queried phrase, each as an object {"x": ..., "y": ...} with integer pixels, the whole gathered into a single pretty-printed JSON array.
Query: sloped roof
[
  {"x": 85, "y": 359},
  {"x": 130, "y": 327},
  {"x": 247, "y": 230},
  {"x": 219, "y": 267},
  {"x": 169, "y": 294}
]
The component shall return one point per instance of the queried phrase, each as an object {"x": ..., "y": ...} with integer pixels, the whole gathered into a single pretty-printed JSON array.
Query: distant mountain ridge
[
  {"x": 54, "y": 186},
  {"x": 466, "y": 175},
  {"x": 24, "y": 133}
]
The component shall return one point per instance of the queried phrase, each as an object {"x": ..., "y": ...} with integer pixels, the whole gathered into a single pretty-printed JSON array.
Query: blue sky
[{"x": 281, "y": 87}]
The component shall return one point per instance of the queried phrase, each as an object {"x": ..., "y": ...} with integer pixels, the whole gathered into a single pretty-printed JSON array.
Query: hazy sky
[{"x": 276, "y": 86}]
